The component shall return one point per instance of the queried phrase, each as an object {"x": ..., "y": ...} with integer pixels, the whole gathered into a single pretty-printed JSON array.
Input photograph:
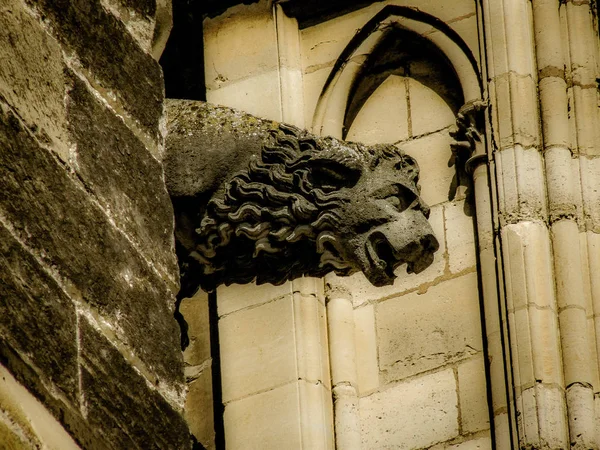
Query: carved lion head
[{"x": 309, "y": 206}]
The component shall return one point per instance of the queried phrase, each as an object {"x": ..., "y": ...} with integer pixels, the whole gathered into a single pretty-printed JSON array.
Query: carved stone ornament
[
  {"x": 469, "y": 146},
  {"x": 301, "y": 205}
]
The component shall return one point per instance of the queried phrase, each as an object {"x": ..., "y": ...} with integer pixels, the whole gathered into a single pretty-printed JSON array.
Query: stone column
[
  {"x": 548, "y": 204},
  {"x": 531, "y": 304},
  {"x": 471, "y": 154}
]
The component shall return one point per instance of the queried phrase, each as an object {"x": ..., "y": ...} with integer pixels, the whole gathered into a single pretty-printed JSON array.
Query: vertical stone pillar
[
  {"x": 531, "y": 305},
  {"x": 469, "y": 148},
  {"x": 344, "y": 378},
  {"x": 548, "y": 205},
  {"x": 578, "y": 364}
]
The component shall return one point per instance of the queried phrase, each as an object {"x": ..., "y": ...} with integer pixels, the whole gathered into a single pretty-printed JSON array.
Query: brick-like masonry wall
[{"x": 88, "y": 273}]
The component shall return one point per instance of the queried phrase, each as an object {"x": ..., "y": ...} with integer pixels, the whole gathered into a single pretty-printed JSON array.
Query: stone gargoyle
[{"x": 260, "y": 200}]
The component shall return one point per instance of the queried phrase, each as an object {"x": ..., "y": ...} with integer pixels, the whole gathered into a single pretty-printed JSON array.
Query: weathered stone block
[
  {"x": 240, "y": 45},
  {"x": 415, "y": 414},
  {"x": 433, "y": 154},
  {"x": 418, "y": 332},
  {"x": 239, "y": 296},
  {"x": 257, "y": 349},
  {"x": 259, "y": 95},
  {"x": 54, "y": 217},
  {"x": 120, "y": 402},
  {"x": 384, "y": 116},
  {"x": 472, "y": 391},
  {"x": 483, "y": 443},
  {"x": 195, "y": 312},
  {"x": 106, "y": 49},
  {"x": 199, "y": 409},
  {"x": 428, "y": 111},
  {"x": 266, "y": 421},
  {"x": 460, "y": 236},
  {"x": 31, "y": 75},
  {"x": 127, "y": 180},
  {"x": 36, "y": 316},
  {"x": 70, "y": 415},
  {"x": 367, "y": 366}
]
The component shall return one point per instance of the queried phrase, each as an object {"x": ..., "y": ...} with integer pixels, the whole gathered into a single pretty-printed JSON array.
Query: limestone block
[
  {"x": 521, "y": 184},
  {"x": 68, "y": 233},
  {"x": 199, "y": 409},
  {"x": 590, "y": 184},
  {"x": 258, "y": 94},
  {"x": 195, "y": 313},
  {"x": 518, "y": 323},
  {"x": 31, "y": 75},
  {"x": 496, "y": 35},
  {"x": 106, "y": 49},
  {"x": 363, "y": 291},
  {"x": 127, "y": 412},
  {"x": 580, "y": 403},
  {"x": 433, "y": 154},
  {"x": 310, "y": 325},
  {"x": 268, "y": 420},
  {"x": 125, "y": 178},
  {"x": 587, "y": 120},
  {"x": 239, "y": 296},
  {"x": 34, "y": 307},
  {"x": 384, "y": 116},
  {"x": 323, "y": 42},
  {"x": 524, "y": 104},
  {"x": 516, "y": 116},
  {"x": 474, "y": 412},
  {"x": 483, "y": 443},
  {"x": 409, "y": 415},
  {"x": 367, "y": 366},
  {"x": 239, "y": 44},
  {"x": 554, "y": 111},
  {"x": 575, "y": 348},
  {"x": 448, "y": 12},
  {"x": 541, "y": 414},
  {"x": 316, "y": 416},
  {"x": 309, "y": 286},
  {"x": 526, "y": 246},
  {"x": 428, "y": 111},
  {"x": 501, "y": 113},
  {"x": 519, "y": 42},
  {"x": 257, "y": 349},
  {"x": 419, "y": 332},
  {"x": 340, "y": 321},
  {"x": 460, "y": 236},
  {"x": 313, "y": 83}
]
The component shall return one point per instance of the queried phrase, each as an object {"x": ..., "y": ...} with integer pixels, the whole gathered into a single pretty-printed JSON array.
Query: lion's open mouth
[{"x": 384, "y": 258}]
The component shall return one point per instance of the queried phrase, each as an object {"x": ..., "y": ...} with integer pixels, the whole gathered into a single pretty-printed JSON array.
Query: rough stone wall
[{"x": 88, "y": 274}]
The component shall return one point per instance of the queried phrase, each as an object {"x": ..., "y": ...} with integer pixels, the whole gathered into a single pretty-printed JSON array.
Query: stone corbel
[{"x": 257, "y": 200}]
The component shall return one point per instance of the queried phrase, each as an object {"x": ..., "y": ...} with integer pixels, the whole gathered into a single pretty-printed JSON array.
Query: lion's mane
[{"x": 278, "y": 219}]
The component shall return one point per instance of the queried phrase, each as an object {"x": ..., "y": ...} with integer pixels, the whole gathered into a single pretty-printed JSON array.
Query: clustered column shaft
[{"x": 543, "y": 144}]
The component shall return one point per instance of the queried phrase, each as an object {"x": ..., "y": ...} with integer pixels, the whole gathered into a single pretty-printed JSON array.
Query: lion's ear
[{"x": 331, "y": 174}]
